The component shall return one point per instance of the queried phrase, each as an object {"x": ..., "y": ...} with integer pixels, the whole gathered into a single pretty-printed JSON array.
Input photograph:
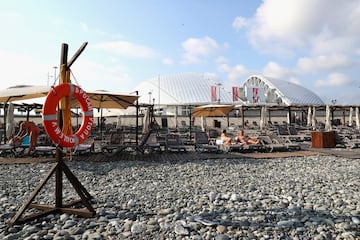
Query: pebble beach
[{"x": 311, "y": 197}]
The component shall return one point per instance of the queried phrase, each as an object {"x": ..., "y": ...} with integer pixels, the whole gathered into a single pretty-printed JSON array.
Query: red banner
[
  {"x": 235, "y": 93},
  {"x": 213, "y": 93},
  {"x": 255, "y": 95}
]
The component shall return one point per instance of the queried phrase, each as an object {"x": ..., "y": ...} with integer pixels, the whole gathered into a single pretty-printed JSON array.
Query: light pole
[{"x": 55, "y": 67}]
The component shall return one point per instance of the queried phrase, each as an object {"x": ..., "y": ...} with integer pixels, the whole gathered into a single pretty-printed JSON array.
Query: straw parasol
[
  {"x": 351, "y": 116},
  {"x": 309, "y": 116},
  {"x": 263, "y": 117},
  {"x": 313, "y": 118},
  {"x": 357, "y": 120},
  {"x": 10, "y": 128},
  {"x": 327, "y": 118}
]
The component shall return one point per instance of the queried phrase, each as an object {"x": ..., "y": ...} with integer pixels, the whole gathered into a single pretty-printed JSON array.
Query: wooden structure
[
  {"x": 58, "y": 169},
  {"x": 323, "y": 139}
]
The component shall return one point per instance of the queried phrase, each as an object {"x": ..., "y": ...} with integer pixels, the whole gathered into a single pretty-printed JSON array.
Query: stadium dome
[
  {"x": 182, "y": 89},
  {"x": 260, "y": 89}
]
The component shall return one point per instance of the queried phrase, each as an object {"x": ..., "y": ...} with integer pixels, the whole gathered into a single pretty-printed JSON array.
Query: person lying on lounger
[
  {"x": 225, "y": 138},
  {"x": 245, "y": 139}
]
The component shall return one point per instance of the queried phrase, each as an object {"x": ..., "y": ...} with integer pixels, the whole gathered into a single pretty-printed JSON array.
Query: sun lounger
[
  {"x": 13, "y": 150},
  {"x": 271, "y": 145},
  {"x": 45, "y": 151},
  {"x": 149, "y": 144},
  {"x": 203, "y": 144},
  {"x": 253, "y": 147},
  {"x": 298, "y": 136},
  {"x": 173, "y": 143},
  {"x": 291, "y": 146},
  {"x": 344, "y": 141},
  {"x": 7, "y": 150},
  {"x": 235, "y": 147},
  {"x": 291, "y": 134},
  {"x": 88, "y": 146},
  {"x": 118, "y": 144},
  {"x": 116, "y": 139}
]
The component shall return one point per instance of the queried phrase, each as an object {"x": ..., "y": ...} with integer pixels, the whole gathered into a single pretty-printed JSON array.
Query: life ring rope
[{"x": 50, "y": 115}]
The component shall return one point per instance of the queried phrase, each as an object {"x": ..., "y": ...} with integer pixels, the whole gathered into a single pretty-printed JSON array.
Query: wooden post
[{"x": 58, "y": 169}]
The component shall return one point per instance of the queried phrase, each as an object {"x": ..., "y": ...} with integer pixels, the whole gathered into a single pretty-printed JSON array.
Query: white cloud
[
  {"x": 274, "y": 70},
  {"x": 284, "y": 21},
  {"x": 334, "y": 80},
  {"x": 127, "y": 49},
  {"x": 222, "y": 64},
  {"x": 223, "y": 67},
  {"x": 321, "y": 25},
  {"x": 323, "y": 62},
  {"x": 198, "y": 48},
  {"x": 239, "y": 23},
  {"x": 237, "y": 73},
  {"x": 327, "y": 42}
]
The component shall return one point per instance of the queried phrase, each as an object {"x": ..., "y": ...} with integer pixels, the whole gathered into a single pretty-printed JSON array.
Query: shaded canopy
[
  {"x": 104, "y": 99},
  {"x": 212, "y": 110},
  {"x": 23, "y": 92}
]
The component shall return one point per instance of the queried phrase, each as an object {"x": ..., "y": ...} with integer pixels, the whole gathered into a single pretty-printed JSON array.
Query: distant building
[
  {"x": 185, "y": 89},
  {"x": 259, "y": 89},
  {"x": 181, "y": 91}
]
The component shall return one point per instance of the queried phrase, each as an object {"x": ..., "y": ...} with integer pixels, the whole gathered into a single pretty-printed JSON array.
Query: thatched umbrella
[
  {"x": 263, "y": 117},
  {"x": 313, "y": 119},
  {"x": 351, "y": 116},
  {"x": 309, "y": 116},
  {"x": 357, "y": 120},
  {"x": 10, "y": 128},
  {"x": 327, "y": 119}
]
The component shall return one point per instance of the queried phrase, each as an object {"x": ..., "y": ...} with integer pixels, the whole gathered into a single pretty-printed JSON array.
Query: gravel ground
[{"x": 311, "y": 197}]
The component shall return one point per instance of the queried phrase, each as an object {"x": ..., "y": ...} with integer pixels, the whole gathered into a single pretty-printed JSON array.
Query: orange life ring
[{"x": 50, "y": 116}]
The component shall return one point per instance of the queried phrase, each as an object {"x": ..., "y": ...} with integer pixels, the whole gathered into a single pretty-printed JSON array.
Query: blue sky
[{"x": 312, "y": 43}]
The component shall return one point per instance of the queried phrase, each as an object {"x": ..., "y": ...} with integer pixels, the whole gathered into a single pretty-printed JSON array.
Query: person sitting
[
  {"x": 28, "y": 128},
  {"x": 245, "y": 139},
  {"x": 225, "y": 138}
]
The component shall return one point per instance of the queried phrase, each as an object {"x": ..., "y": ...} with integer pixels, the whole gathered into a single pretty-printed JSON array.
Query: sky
[{"x": 312, "y": 43}]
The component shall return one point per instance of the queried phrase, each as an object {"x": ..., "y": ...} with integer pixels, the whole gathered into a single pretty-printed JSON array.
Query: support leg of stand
[
  {"x": 21, "y": 210},
  {"x": 57, "y": 169}
]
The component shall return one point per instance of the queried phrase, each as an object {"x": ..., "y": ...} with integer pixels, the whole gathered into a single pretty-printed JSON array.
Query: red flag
[
  {"x": 213, "y": 93},
  {"x": 235, "y": 93},
  {"x": 255, "y": 95}
]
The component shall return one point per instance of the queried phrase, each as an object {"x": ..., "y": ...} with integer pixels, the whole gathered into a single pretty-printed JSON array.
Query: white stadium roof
[
  {"x": 195, "y": 89},
  {"x": 282, "y": 92},
  {"x": 181, "y": 89}
]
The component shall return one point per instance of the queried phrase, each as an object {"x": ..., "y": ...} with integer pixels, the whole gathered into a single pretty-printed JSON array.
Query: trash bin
[{"x": 323, "y": 139}]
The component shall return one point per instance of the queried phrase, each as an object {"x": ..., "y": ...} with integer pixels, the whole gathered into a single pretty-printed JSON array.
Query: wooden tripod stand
[{"x": 58, "y": 169}]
